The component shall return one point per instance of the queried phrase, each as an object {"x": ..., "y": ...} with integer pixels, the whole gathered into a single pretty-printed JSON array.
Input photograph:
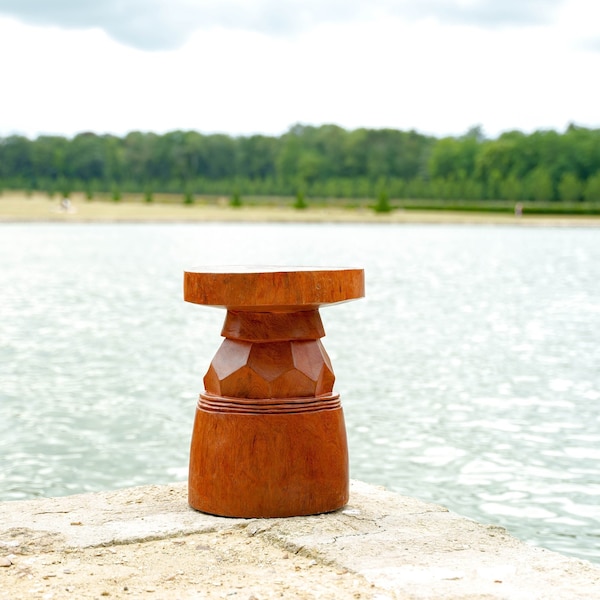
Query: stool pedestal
[{"x": 269, "y": 438}]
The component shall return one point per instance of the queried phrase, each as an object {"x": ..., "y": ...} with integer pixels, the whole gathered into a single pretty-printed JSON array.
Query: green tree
[
  {"x": 592, "y": 188},
  {"x": 48, "y": 157},
  {"x": 256, "y": 156},
  {"x": 114, "y": 160},
  {"x": 85, "y": 157},
  {"x": 300, "y": 202},
  {"x": 236, "y": 200},
  {"x": 64, "y": 186},
  {"x": 16, "y": 161},
  {"x": 496, "y": 155},
  {"x": 90, "y": 188},
  {"x": 540, "y": 184},
  {"x": 328, "y": 160},
  {"x": 494, "y": 185},
  {"x": 570, "y": 189},
  {"x": 116, "y": 192},
  {"x": 511, "y": 189},
  {"x": 452, "y": 156},
  {"x": 141, "y": 157},
  {"x": 383, "y": 202},
  {"x": 419, "y": 189}
]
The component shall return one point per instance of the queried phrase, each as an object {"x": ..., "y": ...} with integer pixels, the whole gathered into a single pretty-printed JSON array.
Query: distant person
[
  {"x": 518, "y": 209},
  {"x": 65, "y": 204}
]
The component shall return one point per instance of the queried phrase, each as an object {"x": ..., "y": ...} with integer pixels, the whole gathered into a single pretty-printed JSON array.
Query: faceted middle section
[{"x": 290, "y": 369}]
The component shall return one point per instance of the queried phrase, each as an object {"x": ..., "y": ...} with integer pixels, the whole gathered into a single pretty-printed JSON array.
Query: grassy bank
[
  {"x": 503, "y": 206},
  {"x": 20, "y": 207}
]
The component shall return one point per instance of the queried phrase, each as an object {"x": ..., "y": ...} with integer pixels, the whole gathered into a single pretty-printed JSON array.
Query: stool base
[{"x": 268, "y": 465}]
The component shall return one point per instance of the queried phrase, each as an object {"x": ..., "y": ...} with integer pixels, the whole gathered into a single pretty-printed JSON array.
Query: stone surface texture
[{"x": 147, "y": 543}]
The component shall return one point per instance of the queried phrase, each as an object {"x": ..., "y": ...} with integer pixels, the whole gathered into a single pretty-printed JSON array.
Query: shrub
[
  {"x": 383, "y": 202},
  {"x": 235, "y": 200},
  {"x": 116, "y": 193},
  {"x": 300, "y": 202}
]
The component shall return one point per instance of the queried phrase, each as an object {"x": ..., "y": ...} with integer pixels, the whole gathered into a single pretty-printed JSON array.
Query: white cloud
[
  {"x": 167, "y": 24},
  {"x": 385, "y": 71}
]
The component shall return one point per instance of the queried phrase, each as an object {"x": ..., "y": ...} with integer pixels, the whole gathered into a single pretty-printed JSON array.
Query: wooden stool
[{"x": 269, "y": 437}]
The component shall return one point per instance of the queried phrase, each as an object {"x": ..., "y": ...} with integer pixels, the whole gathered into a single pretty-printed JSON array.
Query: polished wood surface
[
  {"x": 269, "y": 438},
  {"x": 273, "y": 288},
  {"x": 274, "y": 465}
]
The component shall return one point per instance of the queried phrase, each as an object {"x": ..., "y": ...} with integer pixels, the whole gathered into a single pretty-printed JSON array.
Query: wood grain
[
  {"x": 268, "y": 465},
  {"x": 269, "y": 438}
]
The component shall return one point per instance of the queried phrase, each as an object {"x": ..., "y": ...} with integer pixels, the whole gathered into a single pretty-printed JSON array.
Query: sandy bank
[{"x": 38, "y": 208}]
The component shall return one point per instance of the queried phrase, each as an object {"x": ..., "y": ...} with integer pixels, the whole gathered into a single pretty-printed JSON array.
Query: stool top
[{"x": 263, "y": 289}]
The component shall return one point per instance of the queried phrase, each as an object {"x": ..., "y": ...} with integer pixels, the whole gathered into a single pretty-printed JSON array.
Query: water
[{"x": 470, "y": 374}]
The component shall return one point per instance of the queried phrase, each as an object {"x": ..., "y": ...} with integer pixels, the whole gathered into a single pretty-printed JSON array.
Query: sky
[{"x": 245, "y": 67}]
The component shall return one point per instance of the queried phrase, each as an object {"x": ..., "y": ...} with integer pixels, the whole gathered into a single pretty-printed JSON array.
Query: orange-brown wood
[
  {"x": 272, "y": 288},
  {"x": 269, "y": 438},
  {"x": 272, "y": 465}
]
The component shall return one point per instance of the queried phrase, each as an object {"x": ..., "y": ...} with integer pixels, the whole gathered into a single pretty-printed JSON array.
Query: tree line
[{"x": 326, "y": 161}]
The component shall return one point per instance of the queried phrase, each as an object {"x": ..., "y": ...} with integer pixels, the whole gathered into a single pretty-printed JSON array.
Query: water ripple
[{"x": 469, "y": 374}]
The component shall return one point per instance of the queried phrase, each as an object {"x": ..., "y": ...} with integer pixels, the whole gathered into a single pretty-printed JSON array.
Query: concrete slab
[{"x": 382, "y": 545}]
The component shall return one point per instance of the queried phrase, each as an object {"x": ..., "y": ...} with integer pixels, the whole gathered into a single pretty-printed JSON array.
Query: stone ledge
[{"x": 381, "y": 545}]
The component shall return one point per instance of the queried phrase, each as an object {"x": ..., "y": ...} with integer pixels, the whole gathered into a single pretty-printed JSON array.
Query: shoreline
[{"x": 17, "y": 208}]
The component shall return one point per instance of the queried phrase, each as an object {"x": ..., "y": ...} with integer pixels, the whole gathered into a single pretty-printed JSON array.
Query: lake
[{"x": 469, "y": 375}]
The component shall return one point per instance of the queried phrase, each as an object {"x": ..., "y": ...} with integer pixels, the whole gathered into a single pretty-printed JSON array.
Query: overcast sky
[{"x": 259, "y": 66}]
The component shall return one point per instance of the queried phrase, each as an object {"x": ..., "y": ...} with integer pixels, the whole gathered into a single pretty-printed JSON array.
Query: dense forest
[{"x": 320, "y": 162}]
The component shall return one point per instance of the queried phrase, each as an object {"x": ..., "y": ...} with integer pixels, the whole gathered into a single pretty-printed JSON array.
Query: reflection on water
[{"x": 469, "y": 374}]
